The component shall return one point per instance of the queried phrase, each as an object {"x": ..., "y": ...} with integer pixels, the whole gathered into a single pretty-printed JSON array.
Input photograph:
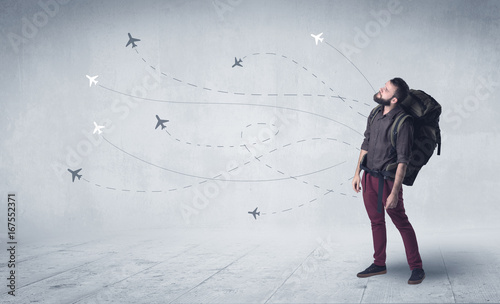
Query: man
[{"x": 382, "y": 187}]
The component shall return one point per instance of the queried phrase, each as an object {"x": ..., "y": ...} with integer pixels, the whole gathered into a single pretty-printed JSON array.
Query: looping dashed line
[{"x": 205, "y": 145}]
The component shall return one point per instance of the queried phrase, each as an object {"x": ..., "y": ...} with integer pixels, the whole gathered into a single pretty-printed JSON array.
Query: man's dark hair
[{"x": 402, "y": 89}]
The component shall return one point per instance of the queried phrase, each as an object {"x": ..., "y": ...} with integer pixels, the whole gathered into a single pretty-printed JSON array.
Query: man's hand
[
  {"x": 356, "y": 180},
  {"x": 356, "y": 183},
  {"x": 392, "y": 201}
]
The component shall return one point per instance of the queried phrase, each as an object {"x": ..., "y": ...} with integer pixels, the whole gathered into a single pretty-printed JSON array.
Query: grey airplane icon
[
  {"x": 160, "y": 123},
  {"x": 132, "y": 41},
  {"x": 75, "y": 174},
  {"x": 254, "y": 213},
  {"x": 237, "y": 62}
]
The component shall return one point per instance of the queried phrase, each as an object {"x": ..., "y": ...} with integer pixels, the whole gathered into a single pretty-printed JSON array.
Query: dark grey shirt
[{"x": 378, "y": 141}]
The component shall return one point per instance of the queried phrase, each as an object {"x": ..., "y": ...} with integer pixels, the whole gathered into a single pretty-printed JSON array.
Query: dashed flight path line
[
  {"x": 308, "y": 202},
  {"x": 216, "y": 178},
  {"x": 289, "y": 145},
  {"x": 328, "y": 191},
  {"x": 253, "y": 157},
  {"x": 274, "y": 94},
  {"x": 215, "y": 146},
  {"x": 296, "y": 177},
  {"x": 253, "y": 143},
  {"x": 258, "y": 158},
  {"x": 232, "y": 104}
]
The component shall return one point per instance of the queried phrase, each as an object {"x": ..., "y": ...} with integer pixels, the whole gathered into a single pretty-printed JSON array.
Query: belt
[{"x": 382, "y": 176}]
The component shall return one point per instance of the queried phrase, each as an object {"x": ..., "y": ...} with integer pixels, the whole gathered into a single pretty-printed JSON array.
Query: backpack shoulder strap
[
  {"x": 398, "y": 122},
  {"x": 374, "y": 113}
]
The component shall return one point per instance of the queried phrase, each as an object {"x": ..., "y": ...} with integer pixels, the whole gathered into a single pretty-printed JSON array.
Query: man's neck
[{"x": 389, "y": 108}]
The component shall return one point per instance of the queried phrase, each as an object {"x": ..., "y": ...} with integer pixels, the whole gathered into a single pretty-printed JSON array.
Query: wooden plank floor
[{"x": 215, "y": 266}]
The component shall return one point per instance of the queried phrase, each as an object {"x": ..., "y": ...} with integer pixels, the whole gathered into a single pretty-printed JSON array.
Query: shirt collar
[{"x": 392, "y": 114}]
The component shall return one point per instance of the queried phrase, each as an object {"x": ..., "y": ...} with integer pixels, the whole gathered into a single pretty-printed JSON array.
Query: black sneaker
[
  {"x": 372, "y": 270},
  {"x": 417, "y": 276}
]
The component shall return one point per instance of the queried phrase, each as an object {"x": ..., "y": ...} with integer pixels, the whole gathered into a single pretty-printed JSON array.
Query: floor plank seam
[
  {"x": 202, "y": 282},
  {"x": 279, "y": 287},
  {"x": 448, "y": 276},
  {"x": 128, "y": 277}
]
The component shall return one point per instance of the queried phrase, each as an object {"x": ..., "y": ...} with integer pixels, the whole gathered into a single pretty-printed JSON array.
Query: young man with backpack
[{"x": 385, "y": 161}]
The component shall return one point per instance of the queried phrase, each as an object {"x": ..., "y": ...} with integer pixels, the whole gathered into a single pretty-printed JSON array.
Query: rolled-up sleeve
[
  {"x": 404, "y": 142},
  {"x": 364, "y": 145}
]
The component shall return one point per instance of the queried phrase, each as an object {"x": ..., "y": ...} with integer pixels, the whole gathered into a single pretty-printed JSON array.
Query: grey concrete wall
[{"x": 283, "y": 104}]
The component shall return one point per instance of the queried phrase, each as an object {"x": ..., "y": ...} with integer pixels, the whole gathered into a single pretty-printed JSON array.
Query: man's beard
[{"x": 379, "y": 100}]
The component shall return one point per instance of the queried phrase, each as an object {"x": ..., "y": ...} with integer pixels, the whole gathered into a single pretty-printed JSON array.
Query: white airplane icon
[
  {"x": 92, "y": 79},
  {"x": 132, "y": 41},
  {"x": 97, "y": 128},
  {"x": 317, "y": 37}
]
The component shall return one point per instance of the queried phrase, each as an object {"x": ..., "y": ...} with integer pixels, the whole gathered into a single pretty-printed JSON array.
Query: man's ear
[{"x": 394, "y": 100}]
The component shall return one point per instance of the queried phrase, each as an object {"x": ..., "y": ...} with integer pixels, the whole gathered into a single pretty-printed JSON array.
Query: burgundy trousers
[{"x": 398, "y": 217}]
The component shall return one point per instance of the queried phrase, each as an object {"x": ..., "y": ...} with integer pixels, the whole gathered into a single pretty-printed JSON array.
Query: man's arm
[
  {"x": 392, "y": 199},
  {"x": 356, "y": 181},
  {"x": 403, "y": 149}
]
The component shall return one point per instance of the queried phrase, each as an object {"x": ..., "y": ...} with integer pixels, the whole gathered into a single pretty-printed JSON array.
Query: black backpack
[{"x": 425, "y": 112}]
